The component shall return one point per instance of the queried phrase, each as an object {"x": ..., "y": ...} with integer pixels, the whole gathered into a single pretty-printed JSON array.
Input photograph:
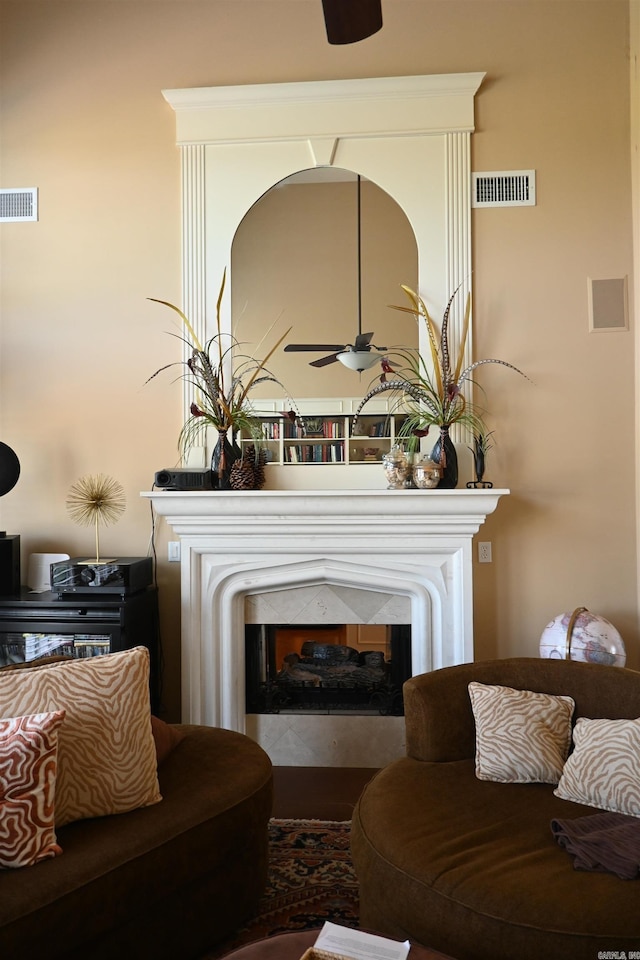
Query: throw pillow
[
  {"x": 165, "y": 737},
  {"x": 604, "y": 768},
  {"x": 521, "y": 736},
  {"x": 28, "y": 764},
  {"x": 106, "y": 753}
]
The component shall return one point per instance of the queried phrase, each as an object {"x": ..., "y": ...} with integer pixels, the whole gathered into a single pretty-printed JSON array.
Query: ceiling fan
[
  {"x": 359, "y": 355},
  {"x": 348, "y": 21}
]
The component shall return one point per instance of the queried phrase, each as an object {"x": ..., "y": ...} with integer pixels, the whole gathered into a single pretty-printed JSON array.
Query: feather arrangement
[
  {"x": 221, "y": 398},
  {"x": 431, "y": 393}
]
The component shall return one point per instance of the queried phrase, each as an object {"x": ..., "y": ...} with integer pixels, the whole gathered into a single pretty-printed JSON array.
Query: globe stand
[{"x": 572, "y": 622}]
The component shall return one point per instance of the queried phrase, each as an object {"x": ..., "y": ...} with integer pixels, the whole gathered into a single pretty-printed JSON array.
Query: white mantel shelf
[
  {"x": 238, "y": 546},
  {"x": 298, "y": 513}
]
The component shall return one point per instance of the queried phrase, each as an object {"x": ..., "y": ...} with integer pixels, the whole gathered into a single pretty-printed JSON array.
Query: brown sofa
[
  {"x": 471, "y": 867},
  {"x": 165, "y": 881}
]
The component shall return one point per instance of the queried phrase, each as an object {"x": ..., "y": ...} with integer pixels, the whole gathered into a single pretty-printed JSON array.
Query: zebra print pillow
[
  {"x": 28, "y": 765},
  {"x": 604, "y": 769},
  {"x": 521, "y": 736},
  {"x": 106, "y": 753}
]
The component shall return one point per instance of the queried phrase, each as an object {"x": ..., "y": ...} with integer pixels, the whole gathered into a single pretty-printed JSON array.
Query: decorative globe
[{"x": 592, "y": 639}]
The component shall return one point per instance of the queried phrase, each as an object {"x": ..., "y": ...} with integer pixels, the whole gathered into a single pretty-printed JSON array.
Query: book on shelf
[
  {"x": 327, "y": 428},
  {"x": 314, "y": 453},
  {"x": 271, "y": 429},
  {"x": 333, "y": 429}
]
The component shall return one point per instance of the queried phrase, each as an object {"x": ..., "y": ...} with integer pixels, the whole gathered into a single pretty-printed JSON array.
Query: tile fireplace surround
[{"x": 314, "y": 556}]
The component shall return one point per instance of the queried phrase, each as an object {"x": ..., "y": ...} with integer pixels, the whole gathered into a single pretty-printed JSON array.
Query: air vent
[
  {"x": 505, "y": 188},
  {"x": 19, "y": 204}
]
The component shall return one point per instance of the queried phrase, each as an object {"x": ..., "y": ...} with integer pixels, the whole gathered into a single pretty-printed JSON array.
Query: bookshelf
[{"x": 324, "y": 437}]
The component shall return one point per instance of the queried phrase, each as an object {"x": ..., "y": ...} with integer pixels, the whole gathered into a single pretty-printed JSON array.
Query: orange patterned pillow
[
  {"x": 28, "y": 765},
  {"x": 106, "y": 753}
]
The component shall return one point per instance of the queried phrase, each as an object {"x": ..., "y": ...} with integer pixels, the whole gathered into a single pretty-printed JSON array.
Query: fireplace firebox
[{"x": 326, "y": 669}]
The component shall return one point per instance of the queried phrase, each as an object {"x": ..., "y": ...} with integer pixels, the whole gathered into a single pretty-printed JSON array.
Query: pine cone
[
  {"x": 257, "y": 457},
  {"x": 242, "y": 476}
]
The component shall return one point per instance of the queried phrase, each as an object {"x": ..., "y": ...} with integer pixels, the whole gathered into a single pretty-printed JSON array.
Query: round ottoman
[{"x": 291, "y": 946}]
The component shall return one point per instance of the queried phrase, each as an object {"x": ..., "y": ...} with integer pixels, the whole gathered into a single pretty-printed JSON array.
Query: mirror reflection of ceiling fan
[
  {"x": 348, "y": 21},
  {"x": 359, "y": 355}
]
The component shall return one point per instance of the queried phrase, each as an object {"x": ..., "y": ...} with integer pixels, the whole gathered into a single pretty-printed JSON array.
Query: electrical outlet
[
  {"x": 174, "y": 551},
  {"x": 484, "y": 552}
]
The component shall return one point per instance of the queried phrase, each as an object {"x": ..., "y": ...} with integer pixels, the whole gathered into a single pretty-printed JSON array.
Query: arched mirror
[{"x": 323, "y": 254}]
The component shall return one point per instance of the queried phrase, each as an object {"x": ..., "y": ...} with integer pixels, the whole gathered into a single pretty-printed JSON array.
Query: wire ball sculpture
[{"x": 94, "y": 500}]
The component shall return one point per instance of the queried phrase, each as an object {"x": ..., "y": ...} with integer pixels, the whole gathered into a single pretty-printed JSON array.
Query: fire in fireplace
[{"x": 327, "y": 669}]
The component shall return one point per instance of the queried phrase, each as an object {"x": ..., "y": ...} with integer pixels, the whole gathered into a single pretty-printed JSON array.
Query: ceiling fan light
[{"x": 359, "y": 359}]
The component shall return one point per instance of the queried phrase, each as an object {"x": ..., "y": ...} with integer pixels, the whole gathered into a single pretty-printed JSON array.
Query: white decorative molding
[
  {"x": 410, "y": 135},
  {"x": 234, "y": 545},
  {"x": 194, "y": 287},
  {"x": 368, "y": 107},
  {"x": 458, "y": 234},
  {"x": 323, "y": 150}
]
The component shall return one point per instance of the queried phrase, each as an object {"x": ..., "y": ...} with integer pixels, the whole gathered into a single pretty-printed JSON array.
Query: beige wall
[{"x": 83, "y": 119}]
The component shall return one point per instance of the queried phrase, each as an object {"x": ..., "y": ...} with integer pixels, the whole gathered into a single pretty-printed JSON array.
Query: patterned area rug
[{"x": 311, "y": 879}]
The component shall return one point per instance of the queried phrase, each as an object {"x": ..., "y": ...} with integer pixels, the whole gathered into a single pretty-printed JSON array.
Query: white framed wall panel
[{"x": 411, "y": 135}]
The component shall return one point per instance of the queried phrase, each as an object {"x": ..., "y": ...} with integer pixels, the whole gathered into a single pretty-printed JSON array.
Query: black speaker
[
  {"x": 9, "y": 469},
  {"x": 9, "y": 565}
]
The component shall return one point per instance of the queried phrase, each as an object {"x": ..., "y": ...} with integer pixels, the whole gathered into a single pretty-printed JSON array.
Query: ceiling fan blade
[
  {"x": 324, "y": 361},
  {"x": 362, "y": 341},
  {"x": 313, "y": 347},
  {"x": 348, "y": 21}
]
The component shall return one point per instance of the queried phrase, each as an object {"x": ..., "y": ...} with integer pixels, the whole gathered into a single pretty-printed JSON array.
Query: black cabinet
[{"x": 34, "y": 625}]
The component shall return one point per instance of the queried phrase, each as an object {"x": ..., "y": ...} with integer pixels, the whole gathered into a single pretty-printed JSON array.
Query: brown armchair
[{"x": 470, "y": 867}]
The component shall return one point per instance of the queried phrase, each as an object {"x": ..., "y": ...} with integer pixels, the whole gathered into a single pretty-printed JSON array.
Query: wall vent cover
[
  {"x": 504, "y": 188},
  {"x": 19, "y": 204}
]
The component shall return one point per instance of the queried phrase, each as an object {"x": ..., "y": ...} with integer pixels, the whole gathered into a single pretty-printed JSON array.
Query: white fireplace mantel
[
  {"x": 234, "y": 545},
  {"x": 282, "y": 514}
]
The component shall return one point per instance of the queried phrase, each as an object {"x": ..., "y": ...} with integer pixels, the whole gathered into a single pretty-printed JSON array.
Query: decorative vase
[
  {"x": 479, "y": 483},
  {"x": 445, "y": 454},
  {"x": 478, "y": 460},
  {"x": 222, "y": 459}
]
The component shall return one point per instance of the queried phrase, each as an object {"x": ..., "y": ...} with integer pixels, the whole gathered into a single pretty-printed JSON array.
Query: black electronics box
[
  {"x": 121, "y": 577},
  {"x": 9, "y": 564},
  {"x": 186, "y": 479}
]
